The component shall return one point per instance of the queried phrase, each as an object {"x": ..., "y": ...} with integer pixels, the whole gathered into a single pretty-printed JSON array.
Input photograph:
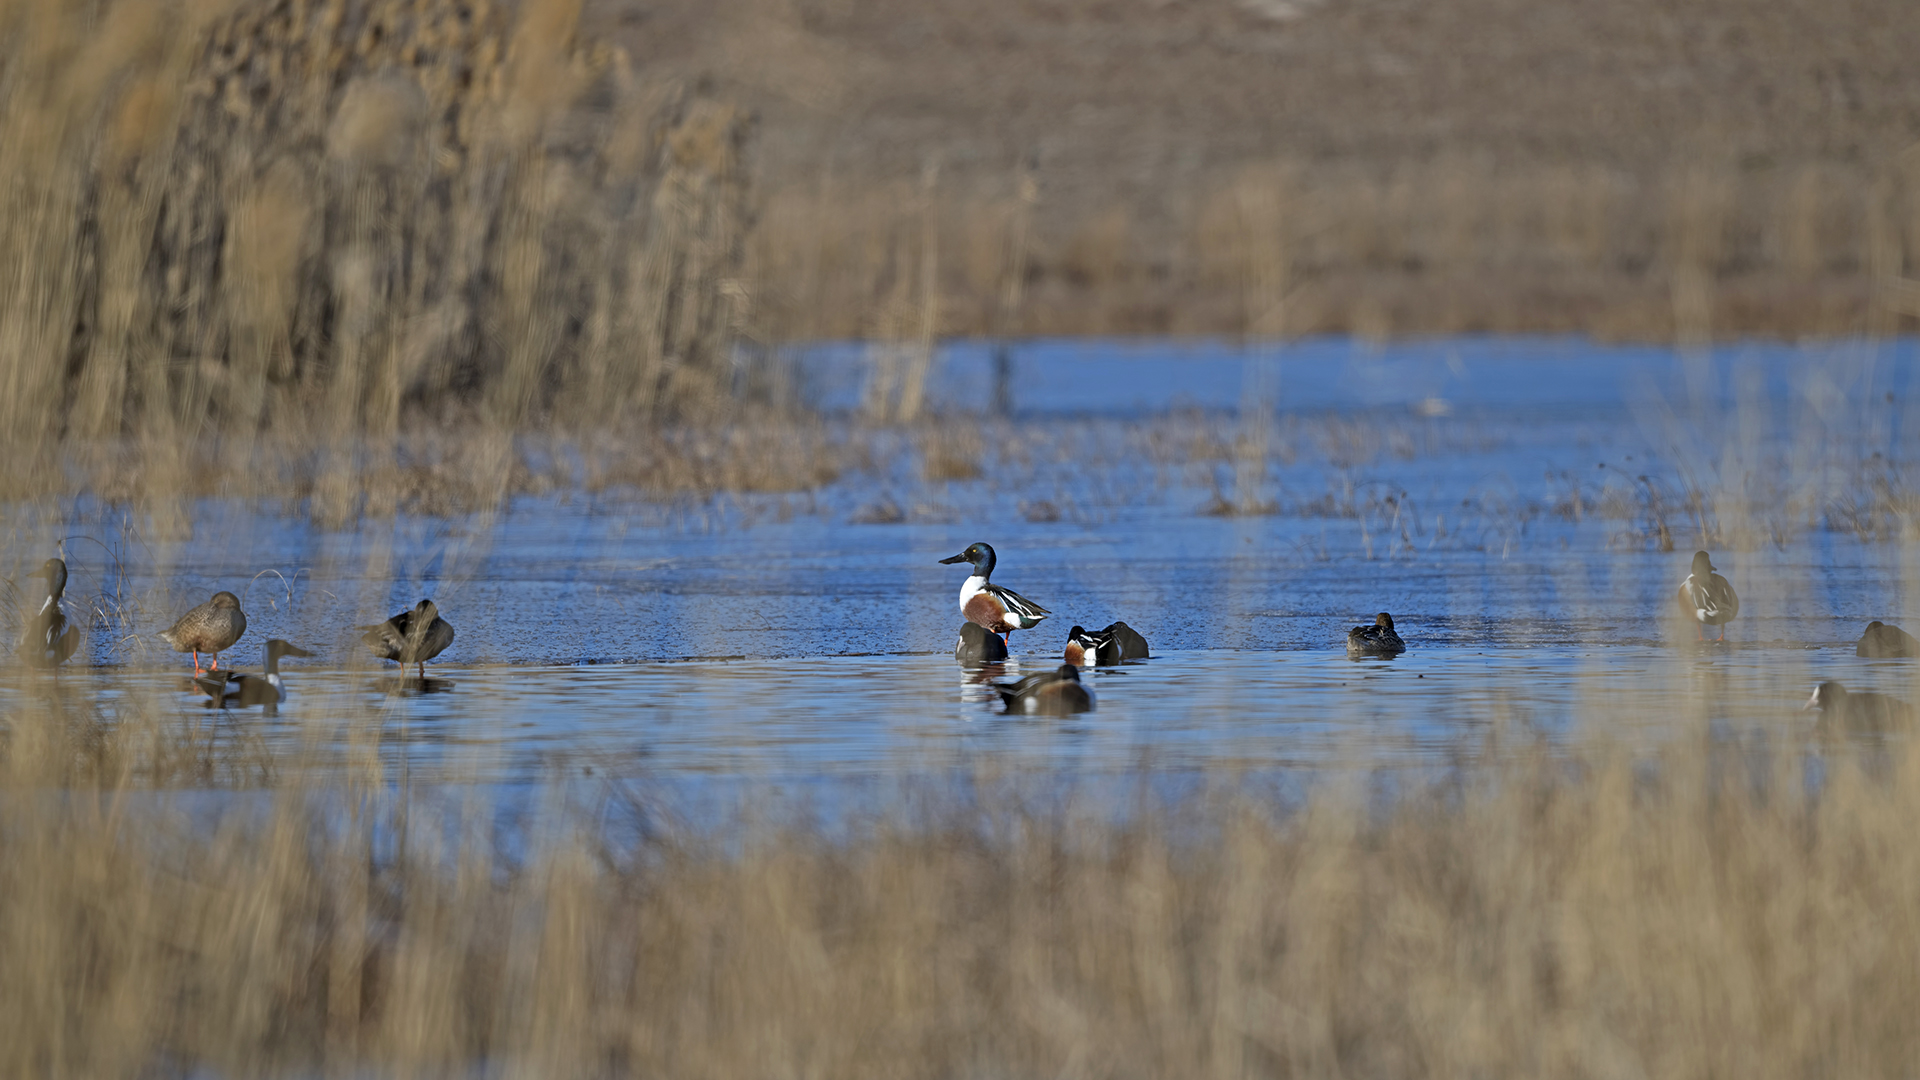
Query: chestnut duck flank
[{"x": 1117, "y": 644}]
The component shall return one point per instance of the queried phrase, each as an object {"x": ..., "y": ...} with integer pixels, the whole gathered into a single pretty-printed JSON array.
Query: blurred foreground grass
[{"x": 1694, "y": 907}]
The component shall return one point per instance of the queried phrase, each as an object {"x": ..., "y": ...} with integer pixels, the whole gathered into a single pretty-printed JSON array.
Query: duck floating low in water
[
  {"x": 1883, "y": 641},
  {"x": 1117, "y": 644},
  {"x": 49, "y": 639},
  {"x": 1707, "y": 598},
  {"x": 978, "y": 646},
  {"x": 212, "y": 627},
  {"x": 999, "y": 610},
  {"x": 411, "y": 637},
  {"x": 1049, "y": 693},
  {"x": 1380, "y": 639},
  {"x": 1845, "y": 712},
  {"x": 242, "y": 690}
]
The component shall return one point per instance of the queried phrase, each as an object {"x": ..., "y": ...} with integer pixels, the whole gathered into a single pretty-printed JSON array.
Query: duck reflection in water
[{"x": 414, "y": 684}]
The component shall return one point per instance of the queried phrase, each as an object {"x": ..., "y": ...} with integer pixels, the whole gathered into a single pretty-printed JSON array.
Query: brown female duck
[
  {"x": 1050, "y": 693},
  {"x": 212, "y": 627}
]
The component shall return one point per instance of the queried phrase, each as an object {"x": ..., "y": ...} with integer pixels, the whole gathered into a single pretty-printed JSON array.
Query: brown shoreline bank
[{"x": 1628, "y": 169}]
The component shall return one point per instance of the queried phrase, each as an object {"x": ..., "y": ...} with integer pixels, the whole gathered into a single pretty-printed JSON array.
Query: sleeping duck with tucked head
[
  {"x": 1380, "y": 639},
  {"x": 213, "y": 627},
  {"x": 1050, "y": 693},
  {"x": 1117, "y": 644}
]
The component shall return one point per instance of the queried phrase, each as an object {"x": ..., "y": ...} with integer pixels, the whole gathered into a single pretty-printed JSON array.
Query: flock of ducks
[
  {"x": 411, "y": 637},
  {"x": 992, "y": 613}
]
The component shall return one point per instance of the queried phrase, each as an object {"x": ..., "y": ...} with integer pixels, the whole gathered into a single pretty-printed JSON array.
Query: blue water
[{"x": 1487, "y": 492}]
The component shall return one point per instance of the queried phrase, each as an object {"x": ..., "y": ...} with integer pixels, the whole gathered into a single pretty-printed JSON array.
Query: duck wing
[
  {"x": 1017, "y": 604},
  {"x": 387, "y": 639},
  {"x": 439, "y": 635},
  {"x": 1725, "y": 603},
  {"x": 1125, "y": 642}
]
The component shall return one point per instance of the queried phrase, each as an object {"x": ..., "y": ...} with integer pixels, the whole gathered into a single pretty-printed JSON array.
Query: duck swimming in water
[
  {"x": 212, "y": 627},
  {"x": 1707, "y": 598},
  {"x": 1884, "y": 641},
  {"x": 1380, "y": 639},
  {"x": 998, "y": 609},
  {"x": 49, "y": 639},
  {"x": 1117, "y": 644},
  {"x": 242, "y": 690},
  {"x": 1844, "y": 711},
  {"x": 411, "y": 637},
  {"x": 1050, "y": 693},
  {"x": 978, "y": 646}
]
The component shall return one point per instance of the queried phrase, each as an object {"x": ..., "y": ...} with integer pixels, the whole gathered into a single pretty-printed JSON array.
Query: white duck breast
[{"x": 969, "y": 589}]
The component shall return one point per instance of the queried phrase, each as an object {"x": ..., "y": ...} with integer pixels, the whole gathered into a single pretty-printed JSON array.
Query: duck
[
  {"x": 235, "y": 688},
  {"x": 49, "y": 639},
  {"x": 410, "y": 637},
  {"x": 1707, "y": 598},
  {"x": 212, "y": 627},
  {"x": 1117, "y": 644},
  {"x": 1842, "y": 710},
  {"x": 1380, "y": 639},
  {"x": 978, "y": 646},
  {"x": 1049, "y": 693},
  {"x": 998, "y": 609},
  {"x": 1882, "y": 641}
]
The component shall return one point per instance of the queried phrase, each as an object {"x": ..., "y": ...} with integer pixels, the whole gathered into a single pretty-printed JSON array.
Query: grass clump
[{"x": 341, "y": 219}]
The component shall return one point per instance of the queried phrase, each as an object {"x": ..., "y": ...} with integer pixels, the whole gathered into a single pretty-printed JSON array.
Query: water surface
[{"x": 1482, "y": 491}]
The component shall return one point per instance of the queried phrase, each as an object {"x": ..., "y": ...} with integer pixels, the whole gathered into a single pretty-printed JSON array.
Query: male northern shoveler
[
  {"x": 234, "y": 688},
  {"x": 1380, "y": 639},
  {"x": 1883, "y": 641},
  {"x": 999, "y": 610},
  {"x": 411, "y": 637},
  {"x": 1050, "y": 693},
  {"x": 1116, "y": 644},
  {"x": 1707, "y": 598},
  {"x": 48, "y": 638},
  {"x": 978, "y": 646},
  {"x": 212, "y": 627},
  {"x": 1844, "y": 712}
]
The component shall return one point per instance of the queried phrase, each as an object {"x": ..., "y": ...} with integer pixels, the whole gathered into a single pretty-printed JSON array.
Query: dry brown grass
[
  {"x": 334, "y": 222},
  {"x": 1696, "y": 908},
  {"x": 1466, "y": 164},
  {"x": 1691, "y": 250}
]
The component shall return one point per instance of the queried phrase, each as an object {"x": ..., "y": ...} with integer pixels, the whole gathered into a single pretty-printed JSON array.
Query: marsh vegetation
[{"x": 343, "y": 303}]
